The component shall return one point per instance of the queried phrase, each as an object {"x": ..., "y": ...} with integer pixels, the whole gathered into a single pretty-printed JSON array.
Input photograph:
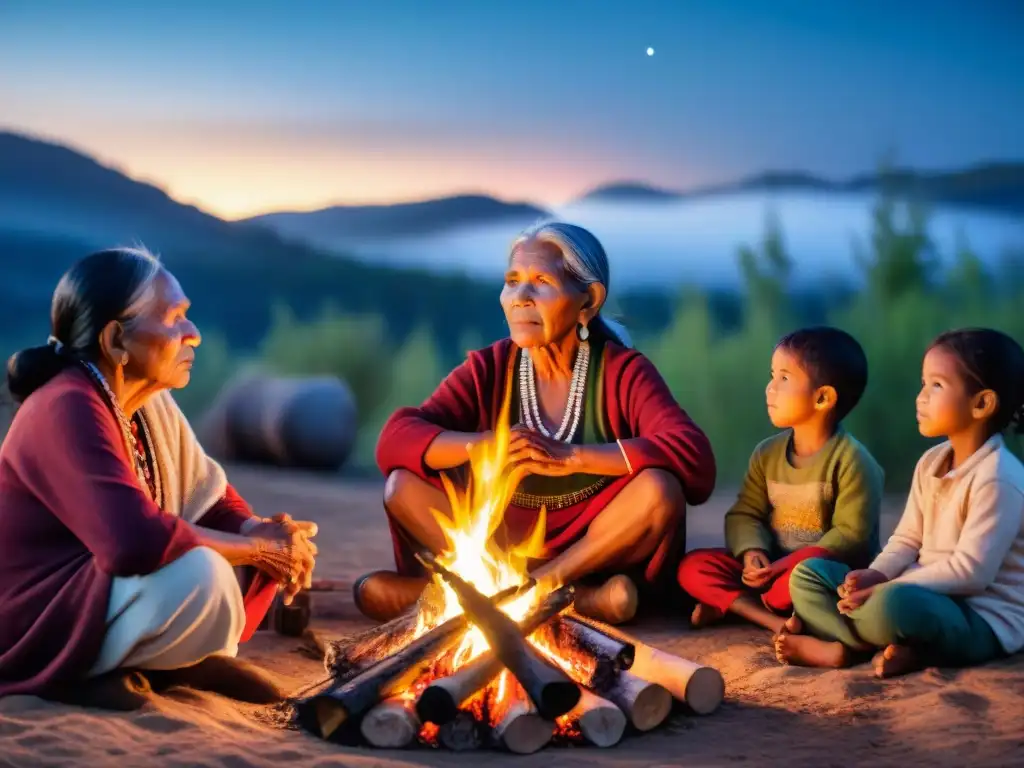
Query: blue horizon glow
[{"x": 257, "y": 106}]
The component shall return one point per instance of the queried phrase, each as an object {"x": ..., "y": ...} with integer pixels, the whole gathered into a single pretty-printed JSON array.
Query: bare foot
[
  {"x": 705, "y": 615},
  {"x": 794, "y": 625},
  {"x": 895, "y": 660},
  {"x": 808, "y": 651},
  {"x": 614, "y": 602}
]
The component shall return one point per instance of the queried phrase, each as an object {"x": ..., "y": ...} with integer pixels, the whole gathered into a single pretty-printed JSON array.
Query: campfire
[{"x": 489, "y": 657}]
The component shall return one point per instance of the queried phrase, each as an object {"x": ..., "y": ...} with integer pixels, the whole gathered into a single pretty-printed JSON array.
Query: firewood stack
[{"x": 554, "y": 676}]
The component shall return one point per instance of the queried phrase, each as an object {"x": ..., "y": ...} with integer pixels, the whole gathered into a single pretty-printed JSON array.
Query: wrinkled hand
[
  {"x": 290, "y": 566},
  {"x": 530, "y": 453},
  {"x": 282, "y": 527},
  {"x": 757, "y": 568},
  {"x": 859, "y": 580},
  {"x": 293, "y": 536}
]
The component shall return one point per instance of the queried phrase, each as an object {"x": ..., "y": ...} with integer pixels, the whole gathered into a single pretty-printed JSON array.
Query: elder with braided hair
[{"x": 118, "y": 534}]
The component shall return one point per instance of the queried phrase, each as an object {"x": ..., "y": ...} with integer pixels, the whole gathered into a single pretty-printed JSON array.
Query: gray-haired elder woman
[{"x": 606, "y": 449}]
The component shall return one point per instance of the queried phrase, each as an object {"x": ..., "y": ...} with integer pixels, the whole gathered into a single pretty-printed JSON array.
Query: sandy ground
[{"x": 773, "y": 715}]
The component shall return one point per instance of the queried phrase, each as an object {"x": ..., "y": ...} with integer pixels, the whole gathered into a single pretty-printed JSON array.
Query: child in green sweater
[
  {"x": 948, "y": 589},
  {"x": 810, "y": 491}
]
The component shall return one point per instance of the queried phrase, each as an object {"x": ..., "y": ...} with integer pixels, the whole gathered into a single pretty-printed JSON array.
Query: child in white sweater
[{"x": 948, "y": 588}]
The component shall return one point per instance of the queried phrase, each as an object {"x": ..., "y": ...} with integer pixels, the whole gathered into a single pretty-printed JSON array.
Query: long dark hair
[
  {"x": 102, "y": 287},
  {"x": 990, "y": 359}
]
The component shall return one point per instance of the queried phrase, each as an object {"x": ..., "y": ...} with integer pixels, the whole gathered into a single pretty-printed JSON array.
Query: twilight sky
[{"x": 244, "y": 107}]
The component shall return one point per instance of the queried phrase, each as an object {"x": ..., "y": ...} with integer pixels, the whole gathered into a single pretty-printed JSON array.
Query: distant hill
[
  {"x": 57, "y": 204},
  {"x": 54, "y": 190},
  {"x": 630, "y": 191},
  {"x": 993, "y": 186},
  {"x": 997, "y": 186},
  {"x": 339, "y": 225}
]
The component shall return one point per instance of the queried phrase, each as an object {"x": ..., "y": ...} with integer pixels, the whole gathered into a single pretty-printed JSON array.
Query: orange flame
[{"x": 471, "y": 550}]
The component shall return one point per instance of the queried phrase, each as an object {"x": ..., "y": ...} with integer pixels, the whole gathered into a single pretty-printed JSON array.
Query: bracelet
[{"x": 629, "y": 466}]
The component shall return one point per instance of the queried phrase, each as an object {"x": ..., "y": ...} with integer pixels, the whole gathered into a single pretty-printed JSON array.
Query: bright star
[{"x": 650, "y": 51}]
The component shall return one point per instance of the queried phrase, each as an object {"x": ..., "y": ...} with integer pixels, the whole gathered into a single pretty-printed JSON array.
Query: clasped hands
[
  {"x": 285, "y": 552},
  {"x": 857, "y": 588},
  {"x": 531, "y": 453},
  {"x": 758, "y": 570}
]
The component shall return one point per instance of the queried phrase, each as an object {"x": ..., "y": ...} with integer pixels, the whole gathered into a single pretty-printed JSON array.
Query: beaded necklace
[
  {"x": 530, "y": 408},
  {"x": 141, "y": 451}
]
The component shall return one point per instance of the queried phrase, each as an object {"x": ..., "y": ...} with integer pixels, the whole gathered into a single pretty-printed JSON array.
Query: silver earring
[
  {"x": 124, "y": 359},
  {"x": 582, "y": 332}
]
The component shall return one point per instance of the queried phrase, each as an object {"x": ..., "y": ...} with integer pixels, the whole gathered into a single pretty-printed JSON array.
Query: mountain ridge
[
  {"x": 997, "y": 185},
  {"x": 402, "y": 219},
  {"x": 57, "y": 204}
]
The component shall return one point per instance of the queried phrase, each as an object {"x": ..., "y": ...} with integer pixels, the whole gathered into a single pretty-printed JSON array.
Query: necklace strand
[
  {"x": 131, "y": 443},
  {"x": 530, "y": 407}
]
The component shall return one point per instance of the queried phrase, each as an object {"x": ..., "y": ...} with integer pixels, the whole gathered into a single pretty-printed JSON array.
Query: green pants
[{"x": 945, "y": 629}]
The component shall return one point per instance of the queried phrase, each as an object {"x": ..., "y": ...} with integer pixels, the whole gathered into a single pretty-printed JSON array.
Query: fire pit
[{"x": 490, "y": 658}]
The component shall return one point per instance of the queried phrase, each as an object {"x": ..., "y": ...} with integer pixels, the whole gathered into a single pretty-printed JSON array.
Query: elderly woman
[
  {"x": 118, "y": 535},
  {"x": 607, "y": 450}
]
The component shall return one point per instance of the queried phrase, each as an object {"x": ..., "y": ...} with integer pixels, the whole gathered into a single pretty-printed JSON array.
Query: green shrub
[
  {"x": 718, "y": 371},
  {"x": 713, "y": 352}
]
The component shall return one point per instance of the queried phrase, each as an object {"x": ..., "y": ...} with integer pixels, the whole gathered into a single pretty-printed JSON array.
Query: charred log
[
  {"x": 346, "y": 658},
  {"x": 600, "y": 640},
  {"x": 462, "y": 733},
  {"x": 701, "y": 688},
  {"x": 550, "y": 689},
  {"x": 439, "y": 702}
]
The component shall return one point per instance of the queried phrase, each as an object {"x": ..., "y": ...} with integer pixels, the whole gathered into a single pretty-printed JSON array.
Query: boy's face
[{"x": 790, "y": 395}]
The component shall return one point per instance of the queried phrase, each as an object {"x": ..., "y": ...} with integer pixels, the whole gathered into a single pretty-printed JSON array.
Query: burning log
[
  {"x": 439, "y": 702},
  {"x": 608, "y": 655},
  {"x": 463, "y": 733},
  {"x": 521, "y": 729},
  {"x": 392, "y": 724},
  {"x": 700, "y": 688},
  {"x": 600, "y": 640},
  {"x": 600, "y": 722},
  {"x": 550, "y": 689},
  {"x": 646, "y": 704},
  {"x": 326, "y": 711},
  {"x": 355, "y": 654}
]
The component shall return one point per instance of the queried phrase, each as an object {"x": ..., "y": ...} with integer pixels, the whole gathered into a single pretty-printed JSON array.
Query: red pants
[
  {"x": 714, "y": 577},
  {"x": 259, "y": 596}
]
